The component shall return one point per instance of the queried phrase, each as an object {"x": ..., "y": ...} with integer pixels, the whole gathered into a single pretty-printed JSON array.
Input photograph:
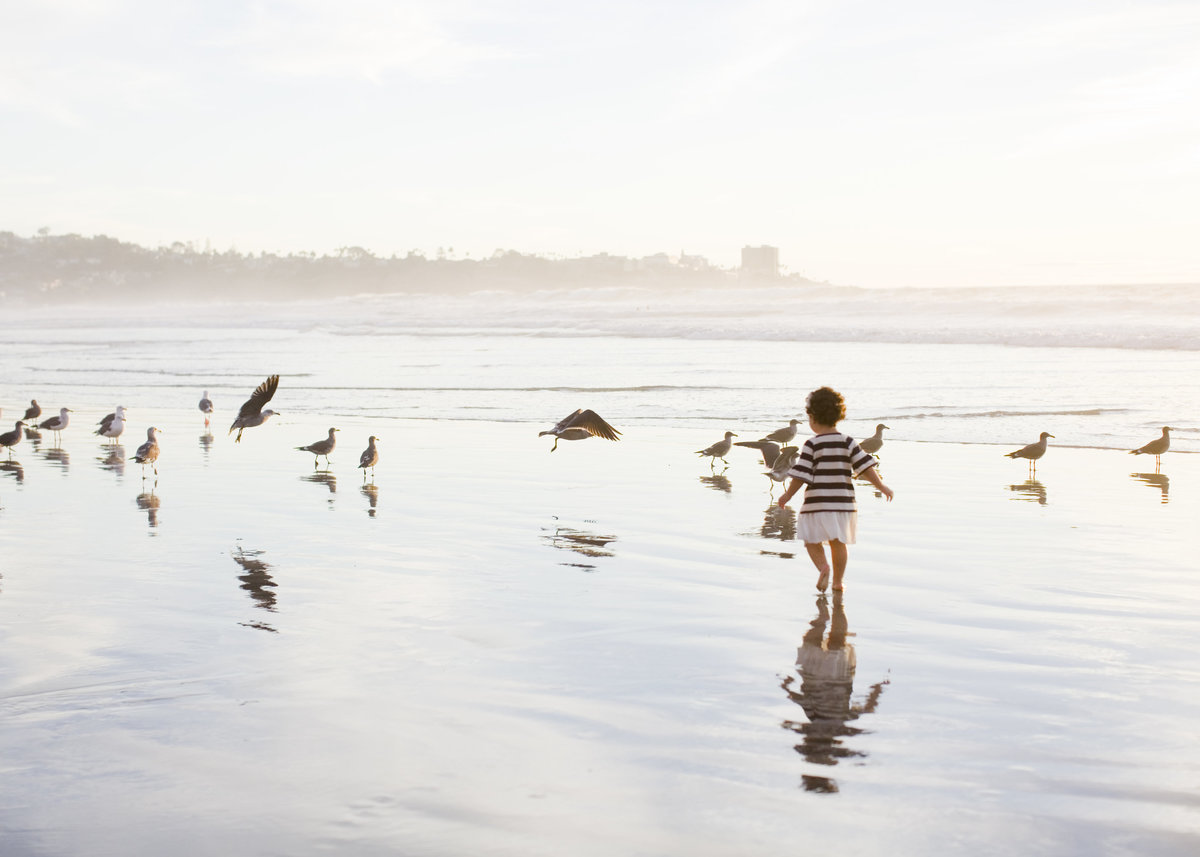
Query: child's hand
[
  {"x": 782, "y": 502},
  {"x": 886, "y": 492}
]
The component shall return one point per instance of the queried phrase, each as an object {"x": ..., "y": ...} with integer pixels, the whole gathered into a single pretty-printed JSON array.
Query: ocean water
[{"x": 615, "y": 648}]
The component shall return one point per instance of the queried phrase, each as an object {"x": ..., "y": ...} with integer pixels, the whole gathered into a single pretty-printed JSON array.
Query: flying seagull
[
  {"x": 579, "y": 426},
  {"x": 321, "y": 447},
  {"x": 1033, "y": 452},
  {"x": 1155, "y": 447},
  {"x": 720, "y": 449},
  {"x": 252, "y": 413},
  {"x": 778, "y": 460}
]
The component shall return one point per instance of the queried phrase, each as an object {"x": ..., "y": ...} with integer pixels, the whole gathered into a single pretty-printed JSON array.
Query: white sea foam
[{"x": 1140, "y": 317}]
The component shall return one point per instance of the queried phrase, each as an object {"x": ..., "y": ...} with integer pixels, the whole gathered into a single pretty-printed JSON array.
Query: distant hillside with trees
[{"x": 68, "y": 269}]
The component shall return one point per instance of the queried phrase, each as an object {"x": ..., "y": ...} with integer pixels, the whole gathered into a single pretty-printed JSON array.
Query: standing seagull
[
  {"x": 580, "y": 425},
  {"x": 1155, "y": 447},
  {"x": 785, "y": 434},
  {"x": 33, "y": 412},
  {"x": 321, "y": 447},
  {"x": 57, "y": 424},
  {"x": 1033, "y": 452},
  {"x": 874, "y": 442},
  {"x": 113, "y": 424},
  {"x": 252, "y": 413},
  {"x": 147, "y": 453},
  {"x": 12, "y": 438},
  {"x": 206, "y": 407},
  {"x": 369, "y": 458},
  {"x": 720, "y": 449}
]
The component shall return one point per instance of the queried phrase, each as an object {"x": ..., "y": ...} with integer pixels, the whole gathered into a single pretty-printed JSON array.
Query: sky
[{"x": 928, "y": 143}]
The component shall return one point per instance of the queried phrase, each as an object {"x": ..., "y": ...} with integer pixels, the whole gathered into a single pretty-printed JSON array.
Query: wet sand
[{"x": 499, "y": 650}]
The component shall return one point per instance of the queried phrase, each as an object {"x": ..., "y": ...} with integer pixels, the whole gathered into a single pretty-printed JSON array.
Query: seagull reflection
[
  {"x": 1155, "y": 480},
  {"x": 1031, "y": 491},
  {"x": 149, "y": 504},
  {"x": 717, "y": 482},
  {"x": 206, "y": 442},
  {"x": 13, "y": 467},
  {"x": 256, "y": 580},
  {"x": 826, "y": 666},
  {"x": 371, "y": 492},
  {"x": 588, "y": 544},
  {"x": 113, "y": 458},
  {"x": 59, "y": 456},
  {"x": 778, "y": 524},
  {"x": 322, "y": 477}
]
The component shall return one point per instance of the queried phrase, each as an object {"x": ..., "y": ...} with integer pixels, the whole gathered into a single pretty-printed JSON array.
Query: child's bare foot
[{"x": 823, "y": 581}]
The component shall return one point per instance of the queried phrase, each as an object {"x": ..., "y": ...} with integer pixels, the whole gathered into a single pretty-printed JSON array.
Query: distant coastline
[{"x": 71, "y": 269}]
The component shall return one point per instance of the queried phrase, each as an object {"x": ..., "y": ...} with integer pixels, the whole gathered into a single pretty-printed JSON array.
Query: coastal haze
[{"x": 446, "y": 228}]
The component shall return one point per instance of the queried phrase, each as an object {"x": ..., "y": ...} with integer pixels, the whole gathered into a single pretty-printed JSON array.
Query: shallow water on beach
[{"x": 611, "y": 649}]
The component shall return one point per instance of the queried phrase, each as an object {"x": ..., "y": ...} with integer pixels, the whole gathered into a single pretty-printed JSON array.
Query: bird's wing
[
  {"x": 593, "y": 424},
  {"x": 260, "y": 397},
  {"x": 566, "y": 422},
  {"x": 769, "y": 449}
]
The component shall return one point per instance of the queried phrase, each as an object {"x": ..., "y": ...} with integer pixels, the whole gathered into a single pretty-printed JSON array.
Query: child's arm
[
  {"x": 792, "y": 488},
  {"x": 871, "y": 476}
]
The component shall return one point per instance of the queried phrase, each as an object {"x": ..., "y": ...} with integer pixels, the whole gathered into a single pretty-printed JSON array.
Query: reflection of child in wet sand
[{"x": 826, "y": 465}]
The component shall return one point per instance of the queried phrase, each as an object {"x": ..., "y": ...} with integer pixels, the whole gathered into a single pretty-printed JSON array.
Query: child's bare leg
[
  {"x": 838, "y": 553},
  {"x": 816, "y": 552}
]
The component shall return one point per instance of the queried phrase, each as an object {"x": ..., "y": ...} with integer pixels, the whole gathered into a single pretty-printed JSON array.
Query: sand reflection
[
  {"x": 257, "y": 581},
  {"x": 1155, "y": 480},
  {"x": 826, "y": 664},
  {"x": 1031, "y": 491},
  {"x": 588, "y": 544}
]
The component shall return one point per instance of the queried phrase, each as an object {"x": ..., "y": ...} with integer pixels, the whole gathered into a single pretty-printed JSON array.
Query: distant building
[{"x": 760, "y": 261}]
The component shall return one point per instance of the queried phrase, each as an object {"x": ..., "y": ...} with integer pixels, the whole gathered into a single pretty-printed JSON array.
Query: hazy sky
[{"x": 874, "y": 142}]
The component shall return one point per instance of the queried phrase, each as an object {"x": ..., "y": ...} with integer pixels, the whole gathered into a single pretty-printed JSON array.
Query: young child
[{"x": 827, "y": 464}]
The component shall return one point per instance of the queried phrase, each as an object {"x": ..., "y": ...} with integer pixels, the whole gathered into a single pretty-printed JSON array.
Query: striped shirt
[{"x": 827, "y": 465}]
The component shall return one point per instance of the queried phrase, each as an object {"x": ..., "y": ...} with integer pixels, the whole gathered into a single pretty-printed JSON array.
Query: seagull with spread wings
[
  {"x": 581, "y": 425},
  {"x": 252, "y": 413}
]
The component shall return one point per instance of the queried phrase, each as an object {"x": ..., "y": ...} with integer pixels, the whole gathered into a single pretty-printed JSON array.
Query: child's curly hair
[{"x": 826, "y": 406}]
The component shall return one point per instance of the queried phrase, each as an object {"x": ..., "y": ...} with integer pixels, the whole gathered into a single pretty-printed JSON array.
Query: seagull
[
  {"x": 720, "y": 449},
  {"x": 874, "y": 442},
  {"x": 321, "y": 447},
  {"x": 32, "y": 412},
  {"x": 579, "y": 426},
  {"x": 1155, "y": 447},
  {"x": 777, "y": 459},
  {"x": 147, "y": 453},
  {"x": 12, "y": 438},
  {"x": 252, "y": 413},
  {"x": 57, "y": 424},
  {"x": 206, "y": 406},
  {"x": 785, "y": 434},
  {"x": 369, "y": 458},
  {"x": 113, "y": 424},
  {"x": 1033, "y": 452}
]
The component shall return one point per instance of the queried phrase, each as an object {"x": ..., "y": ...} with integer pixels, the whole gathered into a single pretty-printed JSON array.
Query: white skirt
[{"x": 816, "y": 527}]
